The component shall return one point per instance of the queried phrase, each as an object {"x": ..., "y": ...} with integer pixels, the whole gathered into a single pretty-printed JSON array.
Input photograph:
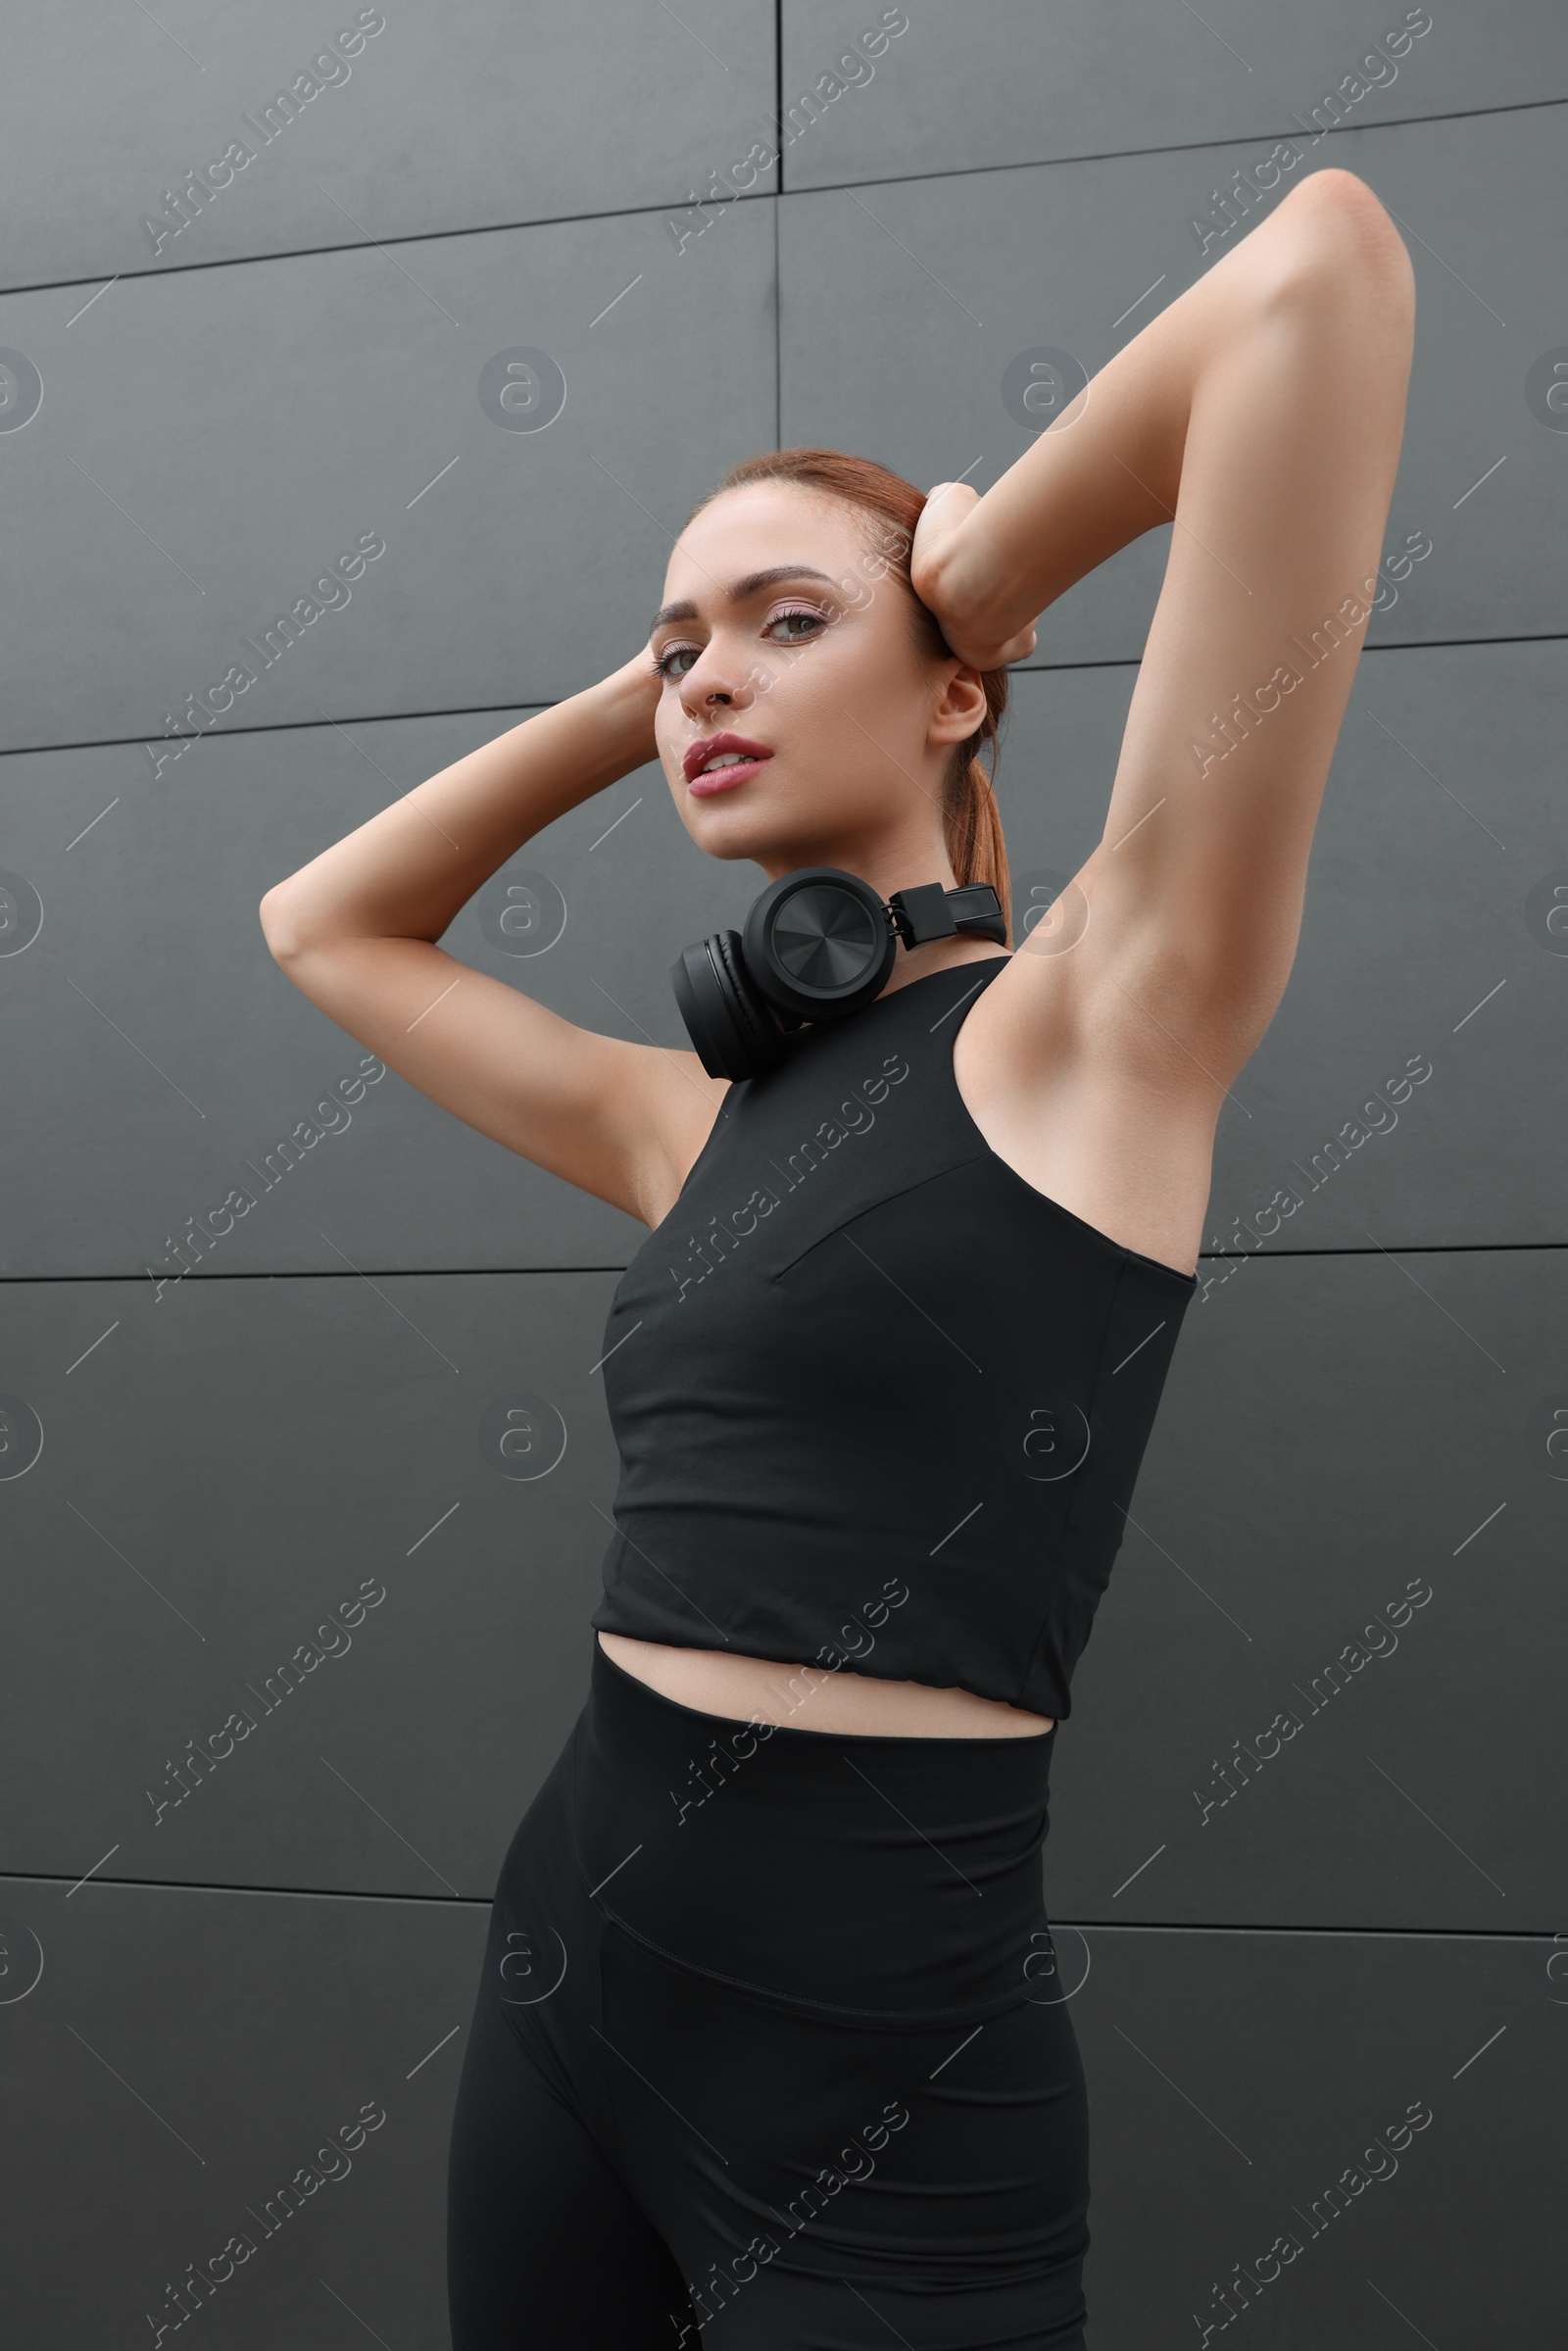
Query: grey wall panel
[
  {"x": 1018, "y": 83},
  {"x": 1239, "y": 2086},
  {"x": 1235, "y": 2080},
  {"x": 191, "y": 2069},
  {"x": 187, "y": 1087},
  {"x": 952, "y": 279},
  {"x": 335, "y": 1630},
  {"x": 1270, "y": 1725},
  {"x": 1434, "y": 939},
  {"x": 211, "y": 442},
  {"x": 167, "y": 1080},
  {"x": 452, "y": 115}
]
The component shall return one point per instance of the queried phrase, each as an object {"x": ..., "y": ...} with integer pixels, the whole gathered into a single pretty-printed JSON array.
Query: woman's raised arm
[
  {"x": 1262, "y": 412},
  {"x": 355, "y": 931}
]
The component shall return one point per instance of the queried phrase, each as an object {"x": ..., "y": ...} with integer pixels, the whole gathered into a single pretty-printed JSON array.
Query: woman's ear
[{"x": 961, "y": 706}]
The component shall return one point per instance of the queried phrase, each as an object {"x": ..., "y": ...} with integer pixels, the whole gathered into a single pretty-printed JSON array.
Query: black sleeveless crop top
[{"x": 879, "y": 1403}]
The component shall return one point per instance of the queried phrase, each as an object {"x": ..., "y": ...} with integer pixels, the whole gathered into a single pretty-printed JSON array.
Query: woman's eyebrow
[{"x": 684, "y": 610}]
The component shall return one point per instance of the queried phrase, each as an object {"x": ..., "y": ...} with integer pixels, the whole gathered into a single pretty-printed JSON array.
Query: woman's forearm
[
  {"x": 408, "y": 871},
  {"x": 1110, "y": 469}
]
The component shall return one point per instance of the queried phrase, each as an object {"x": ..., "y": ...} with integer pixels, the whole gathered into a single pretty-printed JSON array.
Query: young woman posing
[{"x": 769, "y": 2042}]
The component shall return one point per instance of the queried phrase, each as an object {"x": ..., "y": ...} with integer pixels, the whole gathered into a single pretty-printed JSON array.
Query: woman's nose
[{"x": 707, "y": 684}]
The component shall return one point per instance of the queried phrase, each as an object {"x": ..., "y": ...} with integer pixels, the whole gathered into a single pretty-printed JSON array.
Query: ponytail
[{"x": 971, "y": 821}]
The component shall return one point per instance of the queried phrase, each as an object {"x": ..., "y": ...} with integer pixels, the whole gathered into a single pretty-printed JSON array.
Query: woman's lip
[
  {"x": 721, "y": 742},
  {"x": 722, "y": 779}
]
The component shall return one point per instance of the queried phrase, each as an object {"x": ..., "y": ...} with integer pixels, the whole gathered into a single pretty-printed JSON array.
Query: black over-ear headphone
[{"x": 818, "y": 944}]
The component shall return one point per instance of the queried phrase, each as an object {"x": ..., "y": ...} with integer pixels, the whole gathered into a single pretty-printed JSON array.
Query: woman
[{"x": 770, "y": 2045}]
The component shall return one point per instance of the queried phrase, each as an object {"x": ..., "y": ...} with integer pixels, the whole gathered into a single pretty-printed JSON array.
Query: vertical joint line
[{"x": 778, "y": 287}]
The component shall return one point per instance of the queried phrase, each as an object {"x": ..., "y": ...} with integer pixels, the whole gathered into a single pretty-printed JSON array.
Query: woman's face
[{"x": 817, "y": 666}]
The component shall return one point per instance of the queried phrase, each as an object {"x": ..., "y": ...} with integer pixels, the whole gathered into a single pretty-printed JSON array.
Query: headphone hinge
[
  {"x": 928, "y": 912},
  {"x": 922, "y": 914}
]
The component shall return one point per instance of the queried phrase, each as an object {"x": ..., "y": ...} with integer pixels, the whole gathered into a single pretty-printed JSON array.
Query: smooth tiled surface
[
  {"x": 1235, "y": 2079},
  {"x": 1351, "y": 1517},
  {"x": 260, "y": 1716},
  {"x": 1016, "y": 84},
  {"x": 211, "y": 442},
  {"x": 172, "y": 1071},
  {"x": 466, "y": 115},
  {"x": 151, "y": 1038},
  {"x": 951, "y": 278},
  {"x": 182, "y": 2061}
]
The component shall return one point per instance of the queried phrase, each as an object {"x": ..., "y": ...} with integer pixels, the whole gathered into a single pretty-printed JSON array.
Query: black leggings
[{"x": 771, "y": 2051}]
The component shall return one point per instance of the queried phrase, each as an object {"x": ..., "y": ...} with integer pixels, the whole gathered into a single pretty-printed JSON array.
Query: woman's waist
[
  {"x": 869, "y": 1874},
  {"x": 838, "y": 1699}
]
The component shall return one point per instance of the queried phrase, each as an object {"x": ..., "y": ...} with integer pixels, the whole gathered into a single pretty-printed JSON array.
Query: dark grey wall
[{"x": 214, "y": 1440}]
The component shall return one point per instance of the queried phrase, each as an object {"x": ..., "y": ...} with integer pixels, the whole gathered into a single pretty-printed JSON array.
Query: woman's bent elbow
[
  {"x": 273, "y": 917},
  {"x": 1332, "y": 233}
]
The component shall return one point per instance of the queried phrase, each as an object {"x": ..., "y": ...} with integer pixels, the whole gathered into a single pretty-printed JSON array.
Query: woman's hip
[
  {"x": 889, "y": 1879},
  {"x": 801, "y": 1991}
]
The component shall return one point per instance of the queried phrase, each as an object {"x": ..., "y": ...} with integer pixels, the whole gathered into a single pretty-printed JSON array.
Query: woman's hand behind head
[{"x": 936, "y": 577}]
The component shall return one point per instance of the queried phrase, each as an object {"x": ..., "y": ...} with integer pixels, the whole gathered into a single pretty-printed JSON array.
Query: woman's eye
[
  {"x": 803, "y": 613},
  {"x": 688, "y": 652}
]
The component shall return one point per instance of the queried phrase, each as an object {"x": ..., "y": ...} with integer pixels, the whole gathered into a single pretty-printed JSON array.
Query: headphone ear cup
[
  {"x": 762, "y": 1039},
  {"x": 820, "y": 943},
  {"x": 726, "y": 1017}
]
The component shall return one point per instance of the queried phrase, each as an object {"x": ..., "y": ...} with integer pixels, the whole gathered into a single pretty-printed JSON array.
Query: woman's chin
[{"x": 730, "y": 827}]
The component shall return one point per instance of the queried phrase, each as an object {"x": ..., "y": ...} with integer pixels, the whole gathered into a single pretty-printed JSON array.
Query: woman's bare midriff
[{"x": 815, "y": 1697}]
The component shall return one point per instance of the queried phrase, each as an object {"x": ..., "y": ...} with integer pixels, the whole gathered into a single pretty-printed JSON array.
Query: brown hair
[{"x": 971, "y": 821}]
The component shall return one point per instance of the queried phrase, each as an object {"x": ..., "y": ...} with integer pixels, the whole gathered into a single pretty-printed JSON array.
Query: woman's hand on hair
[
  {"x": 632, "y": 696},
  {"x": 936, "y": 580}
]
